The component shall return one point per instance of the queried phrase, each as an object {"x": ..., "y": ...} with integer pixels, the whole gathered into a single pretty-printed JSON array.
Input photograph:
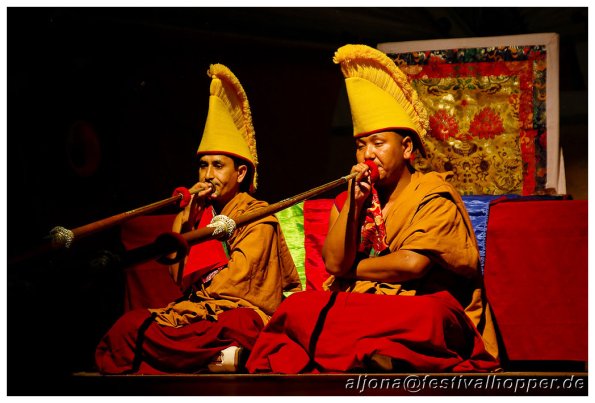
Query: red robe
[{"x": 312, "y": 333}]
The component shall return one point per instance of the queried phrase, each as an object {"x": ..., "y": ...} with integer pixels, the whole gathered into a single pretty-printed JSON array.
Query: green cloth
[{"x": 292, "y": 225}]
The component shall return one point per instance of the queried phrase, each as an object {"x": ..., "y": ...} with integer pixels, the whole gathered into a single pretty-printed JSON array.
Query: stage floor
[{"x": 413, "y": 384}]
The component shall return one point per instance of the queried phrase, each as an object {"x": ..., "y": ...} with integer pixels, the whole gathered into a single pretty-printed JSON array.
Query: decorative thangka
[{"x": 487, "y": 116}]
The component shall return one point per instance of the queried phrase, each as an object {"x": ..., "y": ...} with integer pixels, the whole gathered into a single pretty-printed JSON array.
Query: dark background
[{"x": 105, "y": 112}]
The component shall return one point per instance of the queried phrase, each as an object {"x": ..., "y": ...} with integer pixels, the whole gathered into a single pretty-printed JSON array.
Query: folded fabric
[
  {"x": 478, "y": 208},
  {"x": 204, "y": 257}
]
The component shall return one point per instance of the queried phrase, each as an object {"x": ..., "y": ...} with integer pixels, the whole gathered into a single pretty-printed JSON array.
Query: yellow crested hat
[
  {"x": 228, "y": 128},
  {"x": 380, "y": 95}
]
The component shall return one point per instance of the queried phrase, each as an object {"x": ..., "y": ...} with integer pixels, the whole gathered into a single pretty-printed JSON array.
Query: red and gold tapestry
[{"x": 487, "y": 116}]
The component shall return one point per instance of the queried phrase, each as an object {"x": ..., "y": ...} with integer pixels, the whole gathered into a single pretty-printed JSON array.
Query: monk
[
  {"x": 232, "y": 287},
  {"x": 405, "y": 289}
]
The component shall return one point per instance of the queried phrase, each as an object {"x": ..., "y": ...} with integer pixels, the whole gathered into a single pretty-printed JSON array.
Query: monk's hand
[
  {"x": 194, "y": 210},
  {"x": 360, "y": 187}
]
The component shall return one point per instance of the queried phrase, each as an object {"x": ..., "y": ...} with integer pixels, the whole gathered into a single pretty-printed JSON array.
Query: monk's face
[
  {"x": 221, "y": 171},
  {"x": 389, "y": 150}
]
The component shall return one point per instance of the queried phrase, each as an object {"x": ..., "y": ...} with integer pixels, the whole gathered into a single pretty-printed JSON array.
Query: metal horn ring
[
  {"x": 61, "y": 237},
  {"x": 223, "y": 225}
]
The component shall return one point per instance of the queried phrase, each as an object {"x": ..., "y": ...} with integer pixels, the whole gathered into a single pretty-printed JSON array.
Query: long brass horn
[
  {"x": 60, "y": 237},
  {"x": 168, "y": 243}
]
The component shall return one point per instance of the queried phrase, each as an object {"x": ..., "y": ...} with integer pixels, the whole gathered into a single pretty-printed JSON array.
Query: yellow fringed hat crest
[
  {"x": 380, "y": 95},
  {"x": 228, "y": 128}
]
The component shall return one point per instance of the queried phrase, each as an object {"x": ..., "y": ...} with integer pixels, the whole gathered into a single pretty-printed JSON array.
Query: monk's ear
[
  {"x": 242, "y": 171},
  {"x": 407, "y": 144}
]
